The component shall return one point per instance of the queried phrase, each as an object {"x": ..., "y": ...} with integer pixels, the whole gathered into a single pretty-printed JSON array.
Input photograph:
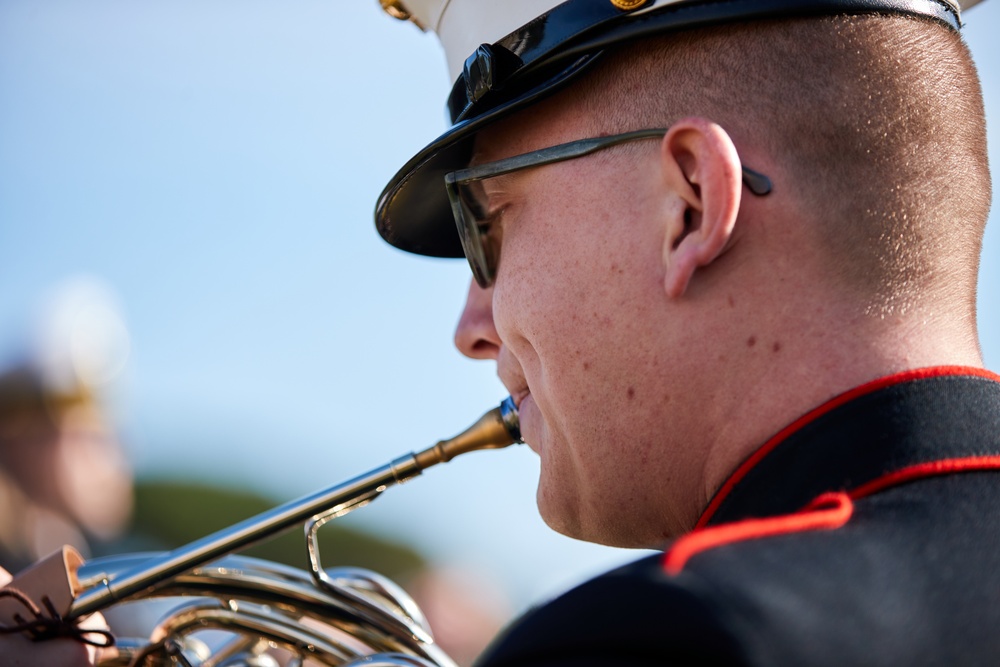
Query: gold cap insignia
[
  {"x": 628, "y": 5},
  {"x": 396, "y": 10}
]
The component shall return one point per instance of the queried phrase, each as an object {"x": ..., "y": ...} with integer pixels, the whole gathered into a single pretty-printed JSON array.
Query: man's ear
[{"x": 703, "y": 174}]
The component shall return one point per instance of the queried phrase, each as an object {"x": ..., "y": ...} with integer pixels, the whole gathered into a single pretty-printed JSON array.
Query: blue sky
[{"x": 216, "y": 164}]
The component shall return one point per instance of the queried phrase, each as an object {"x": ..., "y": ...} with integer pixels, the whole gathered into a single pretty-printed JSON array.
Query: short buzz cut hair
[{"x": 877, "y": 121}]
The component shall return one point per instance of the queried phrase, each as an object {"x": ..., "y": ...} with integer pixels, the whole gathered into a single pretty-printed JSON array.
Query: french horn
[{"x": 265, "y": 612}]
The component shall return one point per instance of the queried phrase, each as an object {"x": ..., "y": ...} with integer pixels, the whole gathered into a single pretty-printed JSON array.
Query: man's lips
[
  {"x": 528, "y": 416},
  {"x": 519, "y": 395},
  {"x": 513, "y": 379}
]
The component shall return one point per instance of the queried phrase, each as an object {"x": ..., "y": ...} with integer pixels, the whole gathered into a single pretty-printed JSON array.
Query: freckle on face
[
  {"x": 751, "y": 341},
  {"x": 777, "y": 347}
]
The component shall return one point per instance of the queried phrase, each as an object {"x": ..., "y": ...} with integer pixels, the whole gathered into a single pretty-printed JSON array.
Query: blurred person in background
[{"x": 64, "y": 476}]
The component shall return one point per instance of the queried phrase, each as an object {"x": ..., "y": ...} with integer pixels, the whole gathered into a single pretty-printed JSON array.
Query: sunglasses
[{"x": 481, "y": 242}]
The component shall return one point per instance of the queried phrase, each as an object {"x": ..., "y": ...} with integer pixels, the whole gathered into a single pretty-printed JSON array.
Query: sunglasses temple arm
[{"x": 758, "y": 183}]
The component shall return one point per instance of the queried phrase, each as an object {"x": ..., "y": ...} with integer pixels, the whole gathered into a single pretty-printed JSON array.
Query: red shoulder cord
[{"x": 827, "y": 512}]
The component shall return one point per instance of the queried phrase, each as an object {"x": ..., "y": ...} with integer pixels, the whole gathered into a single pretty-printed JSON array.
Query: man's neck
[{"x": 809, "y": 358}]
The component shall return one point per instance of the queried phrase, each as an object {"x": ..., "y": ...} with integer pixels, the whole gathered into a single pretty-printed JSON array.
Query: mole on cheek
[
  {"x": 631, "y": 393},
  {"x": 751, "y": 341},
  {"x": 777, "y": 347}
]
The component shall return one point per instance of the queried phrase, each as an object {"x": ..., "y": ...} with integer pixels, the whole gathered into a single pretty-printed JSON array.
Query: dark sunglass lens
[{"x": 466, "y": 210}]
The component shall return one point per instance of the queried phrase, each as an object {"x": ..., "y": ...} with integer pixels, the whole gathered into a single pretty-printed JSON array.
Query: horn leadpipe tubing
[{"x": 497, "y": 428}]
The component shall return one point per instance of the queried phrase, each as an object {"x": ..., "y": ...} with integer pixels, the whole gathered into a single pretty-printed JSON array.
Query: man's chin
[
  {"x": 609, "y": 531},
  {"x": 560, "y": 514}
]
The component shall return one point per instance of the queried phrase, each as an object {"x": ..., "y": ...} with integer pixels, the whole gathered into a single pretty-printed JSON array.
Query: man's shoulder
[
  {"x": 729, "y": 606},
  {"x": 618, "y": 618},
  {"x": 909, "y": 579}
]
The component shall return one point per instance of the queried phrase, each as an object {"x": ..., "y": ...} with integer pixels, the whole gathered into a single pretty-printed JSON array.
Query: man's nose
[{"x": 476, "y": 336}]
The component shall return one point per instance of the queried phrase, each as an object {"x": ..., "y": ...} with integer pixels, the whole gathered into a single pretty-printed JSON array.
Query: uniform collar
[{"x": 901, "y": 420}]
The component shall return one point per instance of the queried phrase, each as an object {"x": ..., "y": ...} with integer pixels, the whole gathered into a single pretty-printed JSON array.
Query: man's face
[{"x": 583, "y": 335}]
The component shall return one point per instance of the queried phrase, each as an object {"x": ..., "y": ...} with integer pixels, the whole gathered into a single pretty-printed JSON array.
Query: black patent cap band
[{"x": 578, "y": 26}]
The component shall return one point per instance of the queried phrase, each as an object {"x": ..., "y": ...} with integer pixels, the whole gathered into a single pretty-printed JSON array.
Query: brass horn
[{"x": 337, "y": 616}]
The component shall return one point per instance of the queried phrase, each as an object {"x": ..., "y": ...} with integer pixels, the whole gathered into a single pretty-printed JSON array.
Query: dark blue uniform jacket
[{"x": 866, "y": 533}]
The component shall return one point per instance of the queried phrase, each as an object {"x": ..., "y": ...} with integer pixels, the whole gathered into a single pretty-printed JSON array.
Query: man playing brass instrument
[
  {"x": 739, "y": 322},
  {"x": 724, "y": 255}
]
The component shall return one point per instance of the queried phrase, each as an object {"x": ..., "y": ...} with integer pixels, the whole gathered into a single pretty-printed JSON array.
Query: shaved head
[{"x": 875, "y": 124}]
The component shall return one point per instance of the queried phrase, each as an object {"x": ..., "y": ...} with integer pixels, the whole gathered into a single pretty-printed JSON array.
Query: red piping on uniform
[
  {"x": 929, "y": 469},
  {"x": 827, "y": 512},
  {"x": 846, "y": 397}
]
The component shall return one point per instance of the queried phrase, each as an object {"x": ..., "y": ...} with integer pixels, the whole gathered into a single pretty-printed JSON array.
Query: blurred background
[{"x": 186, "y": 242}]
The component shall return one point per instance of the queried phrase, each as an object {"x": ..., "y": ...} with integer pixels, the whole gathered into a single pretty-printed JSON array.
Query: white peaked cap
[{"x": 462, "y": 25}]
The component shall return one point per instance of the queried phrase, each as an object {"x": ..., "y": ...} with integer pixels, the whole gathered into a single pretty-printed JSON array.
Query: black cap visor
[{"x": 413, "y": 212}]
